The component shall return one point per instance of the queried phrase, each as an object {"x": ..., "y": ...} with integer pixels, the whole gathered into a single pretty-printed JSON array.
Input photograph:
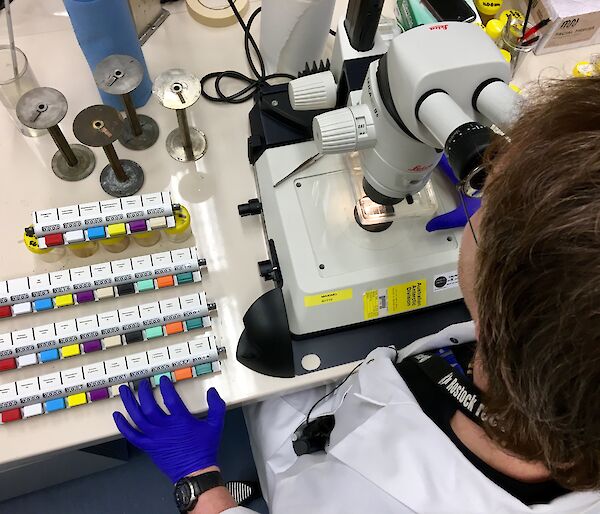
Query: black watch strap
[{"x": 201, "y": 484}]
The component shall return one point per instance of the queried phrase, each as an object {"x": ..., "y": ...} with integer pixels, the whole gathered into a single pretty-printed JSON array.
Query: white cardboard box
[{"x": 575, "y": 23}]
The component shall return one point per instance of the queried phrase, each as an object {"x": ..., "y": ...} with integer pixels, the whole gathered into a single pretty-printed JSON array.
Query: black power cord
[{"x": 260, "y": 74}]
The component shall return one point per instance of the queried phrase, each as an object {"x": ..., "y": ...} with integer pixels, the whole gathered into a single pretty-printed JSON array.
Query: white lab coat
[{"x": 385, "y": 455}]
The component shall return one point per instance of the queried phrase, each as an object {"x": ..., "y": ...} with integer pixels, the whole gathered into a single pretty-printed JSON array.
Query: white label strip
[
  {"x": 98, "y": 326},
  {"x": 107, "y": 373},
  {"x": 103, "y": 213},
  {"x": 106, "y": 274}
]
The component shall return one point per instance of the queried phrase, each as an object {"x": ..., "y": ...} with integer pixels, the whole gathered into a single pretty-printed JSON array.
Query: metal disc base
[
  {"x": 86, "y": 162},
  {"x": 175, "y": 145},
  {"x": 145, "y": 140},
  {"x": 134, "y": 182}
]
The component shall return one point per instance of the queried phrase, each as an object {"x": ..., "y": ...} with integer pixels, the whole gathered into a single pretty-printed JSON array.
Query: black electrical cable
[
  {"x": 253, "y": 84},
  {"x": 332, "y": 391}
]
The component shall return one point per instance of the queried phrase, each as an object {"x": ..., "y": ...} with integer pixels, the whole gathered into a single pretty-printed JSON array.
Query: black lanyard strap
[{"x": 456, "y": 386}]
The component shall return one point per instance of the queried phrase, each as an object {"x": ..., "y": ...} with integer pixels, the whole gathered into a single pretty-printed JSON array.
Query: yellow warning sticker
[
  {"x": 371, "y": 304},
  {"x": 395, "y": 299},
  {"x": 330, "y": 297}
]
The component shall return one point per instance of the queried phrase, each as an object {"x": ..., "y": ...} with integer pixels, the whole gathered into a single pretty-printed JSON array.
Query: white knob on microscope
[
  {"x": 344, "y": 130},
  {"x": 313, "y": 92}
]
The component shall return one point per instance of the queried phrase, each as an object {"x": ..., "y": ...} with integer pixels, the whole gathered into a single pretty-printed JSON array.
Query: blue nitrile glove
[
  {"x": 457, "y": 217},
  {"x": 179, "y": 443}
]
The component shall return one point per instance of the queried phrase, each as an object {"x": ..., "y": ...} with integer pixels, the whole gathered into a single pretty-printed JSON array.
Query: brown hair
[{"x": 538, "y": 283}]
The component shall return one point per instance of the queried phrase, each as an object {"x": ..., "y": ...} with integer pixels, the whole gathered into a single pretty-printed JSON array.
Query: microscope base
[{"x": 335, "y": 274}]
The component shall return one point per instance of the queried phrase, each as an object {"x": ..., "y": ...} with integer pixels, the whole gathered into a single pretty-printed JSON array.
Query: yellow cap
[
  {"x": 584, "y": 69},
  {"x": 512, "y": 12},
  {"x": 515, "y": 88},
  {"x": 182, "y": 221},
  {"x": 489, "y": 7},
  {"x": 506, "y": 54},
  {"x": 31, "y": 242},
  {"x": 494, "y": 29}
]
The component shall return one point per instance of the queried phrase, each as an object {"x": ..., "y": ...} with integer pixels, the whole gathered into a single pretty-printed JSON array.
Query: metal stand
[
  {"x": 120, "y": 75},
  {"x": 45, "y": 108},
  {"x": 101, "y": 126},
  {"x": 177, "y": 89}
]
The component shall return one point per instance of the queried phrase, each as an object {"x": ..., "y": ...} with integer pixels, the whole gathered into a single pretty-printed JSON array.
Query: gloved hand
[
  {"x": 179, "y": 443},
  {"x": 457, "y": 217}
]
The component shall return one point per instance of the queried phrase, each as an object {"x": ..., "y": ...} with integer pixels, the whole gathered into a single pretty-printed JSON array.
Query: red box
[
  {"x": 11, "y": 415},
  {"x": 54, "y": 240},
  {"x": 6, "y": 364}
]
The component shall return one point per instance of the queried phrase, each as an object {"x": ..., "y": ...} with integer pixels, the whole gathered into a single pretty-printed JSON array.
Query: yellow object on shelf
[
  {"x": 506, "y": 54},
  {"x": 182, "y": 229},
  {"x": 45, "y": 254},
  {"x": 511, "y": 12},
  {"x": 488, "y": 9},
  {"x": 585, "y": 69},
  {"x": 494, "y": 29},
  {"x": 31, "y": 242}
]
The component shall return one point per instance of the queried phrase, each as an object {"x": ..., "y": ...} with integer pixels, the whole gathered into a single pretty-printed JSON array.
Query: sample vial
[
  {"x": 147, "y": 238},
  {"x": 84, "y": 250},
  {"x": 115, "y": 244},
  {"x": 43, "y": 254},
  {"x": 182, "y": 230},
  {"x": 487, "y": 9},
  {"x": 494, "y": 29}
]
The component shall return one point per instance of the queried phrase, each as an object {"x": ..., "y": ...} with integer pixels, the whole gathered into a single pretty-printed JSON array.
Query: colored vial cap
[
  {"x": 494, "y": 29},
  {"x": 489, "y": 7}
]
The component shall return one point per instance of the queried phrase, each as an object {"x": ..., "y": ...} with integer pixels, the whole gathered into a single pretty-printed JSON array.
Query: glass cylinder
[
  {"x": 511, "y": 41},
  {"x": 115, "y": 244},
  {"x": 84, "y": 250},
  {"x": 147, "y": 238},
  {"x": 12, "y": 88},
  {"x": 182, "y": 230}
]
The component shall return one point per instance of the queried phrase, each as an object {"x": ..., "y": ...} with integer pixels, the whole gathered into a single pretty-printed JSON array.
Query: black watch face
[{"x": 183, "y": 494}]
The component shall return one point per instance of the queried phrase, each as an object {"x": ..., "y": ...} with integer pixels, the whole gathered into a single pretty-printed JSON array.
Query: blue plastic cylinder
[{"x": 103, "y": 28}]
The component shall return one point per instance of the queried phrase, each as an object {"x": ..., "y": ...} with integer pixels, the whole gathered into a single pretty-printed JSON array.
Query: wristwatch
[{"x": 189, "y": 489}]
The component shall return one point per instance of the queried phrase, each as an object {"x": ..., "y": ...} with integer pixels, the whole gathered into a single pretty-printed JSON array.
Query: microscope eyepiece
[{"x": 465, "y": 149}]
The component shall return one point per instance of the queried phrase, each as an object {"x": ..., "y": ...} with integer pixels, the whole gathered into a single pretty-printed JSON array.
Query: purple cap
[
  {"x": 99, "y": 394},
  {"x": 138, "y": 226},
  {"x": 92, "y": 346},
  {"x": 85, "y": 296}
]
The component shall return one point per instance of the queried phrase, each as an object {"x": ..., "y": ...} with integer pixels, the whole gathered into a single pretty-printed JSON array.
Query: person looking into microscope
[{"x": 514, "y": 425}]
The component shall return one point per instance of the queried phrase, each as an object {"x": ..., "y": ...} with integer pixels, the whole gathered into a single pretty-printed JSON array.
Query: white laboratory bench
[{"x": 210, "y": 188}]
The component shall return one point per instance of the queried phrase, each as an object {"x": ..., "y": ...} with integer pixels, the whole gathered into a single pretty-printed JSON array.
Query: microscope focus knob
[
  {"x": 313, "y": 92},
  {"x": 344, "y": 130}
]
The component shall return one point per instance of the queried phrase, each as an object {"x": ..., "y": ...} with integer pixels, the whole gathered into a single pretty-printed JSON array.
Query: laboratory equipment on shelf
[
  {"x": 43, "y": 108},
  {"x": 344, "y": 162},
  {"x": 120, "y": 75},
  {"x": 178, "y": 90},
  {"x": 101, "y": 125}
]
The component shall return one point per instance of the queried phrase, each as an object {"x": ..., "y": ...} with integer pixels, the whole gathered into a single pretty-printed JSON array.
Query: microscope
[{"x": 348, "y": 184}]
